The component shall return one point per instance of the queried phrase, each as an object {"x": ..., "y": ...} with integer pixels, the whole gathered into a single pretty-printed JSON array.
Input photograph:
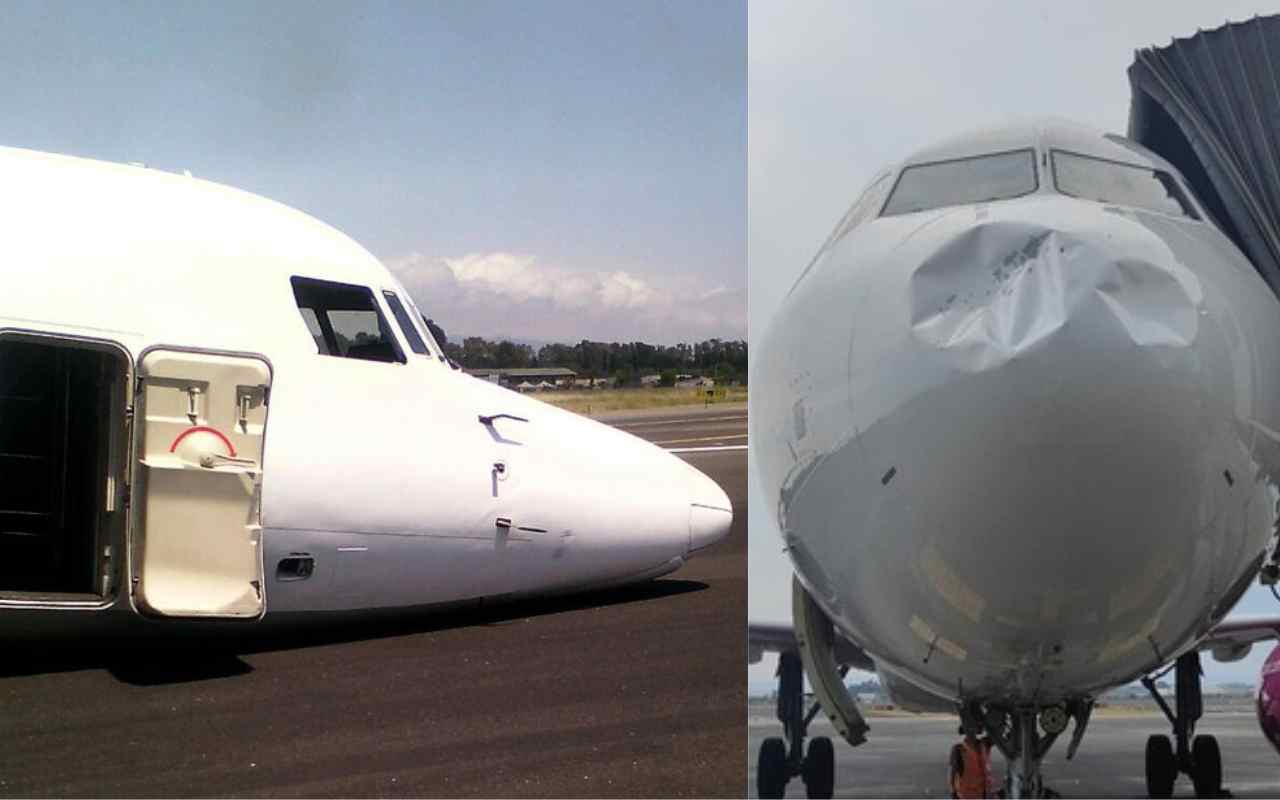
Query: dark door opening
[{"x": 56, "y": 463}]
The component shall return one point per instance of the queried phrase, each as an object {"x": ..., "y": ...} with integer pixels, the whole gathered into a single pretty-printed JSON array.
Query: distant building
[
  {"x": 514, "y": 378},
  {"x": 691, "y": 382}
]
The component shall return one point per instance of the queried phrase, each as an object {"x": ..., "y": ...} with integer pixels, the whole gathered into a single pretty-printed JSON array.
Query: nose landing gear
[
  {"x": 1015, "y": 734},
  {"x": 1197, "y": 756}
]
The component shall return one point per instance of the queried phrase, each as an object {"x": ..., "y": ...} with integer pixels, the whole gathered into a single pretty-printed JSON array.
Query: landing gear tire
[
  {"x": 1207, "y": 772},
  {"x": 820, "y": 769},
  {"x": 1162, "y": 767},
  {"x": 772, "y": 770}
]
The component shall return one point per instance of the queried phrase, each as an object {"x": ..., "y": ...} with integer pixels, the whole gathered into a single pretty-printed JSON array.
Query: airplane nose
[
  {"x": 1039, "y": 465},
  {"x": 1082, "y": 395},
  {"x": 1052, "y": 439},
  {"x": 710, "y": 512}
]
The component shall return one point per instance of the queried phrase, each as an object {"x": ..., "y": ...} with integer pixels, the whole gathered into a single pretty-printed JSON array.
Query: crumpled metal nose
[{"x": 996, "y": 290}]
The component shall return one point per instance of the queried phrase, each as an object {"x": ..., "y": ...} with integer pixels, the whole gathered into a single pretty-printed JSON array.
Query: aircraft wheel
[
  {"x": 1162, "y": 767},
  {"x": 820, "y": 769},
  {"x": 771, "y": 769},
  {"x": 1207, "y": 772}
]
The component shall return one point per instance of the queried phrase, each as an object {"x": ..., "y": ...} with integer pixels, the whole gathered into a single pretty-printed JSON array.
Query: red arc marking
[{"x": 203, "y": 429}]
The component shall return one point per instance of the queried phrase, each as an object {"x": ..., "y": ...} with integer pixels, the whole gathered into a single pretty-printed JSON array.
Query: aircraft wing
[
  {"x": 768, "y": 637},
  {"x": 1231, "y": 636},
  {"x": 774, "y": 637},
  {"x": 1239, "y": 632}
]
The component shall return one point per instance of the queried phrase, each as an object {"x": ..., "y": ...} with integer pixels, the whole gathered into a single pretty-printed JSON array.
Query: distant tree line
[{"x": 623, "y": 362}]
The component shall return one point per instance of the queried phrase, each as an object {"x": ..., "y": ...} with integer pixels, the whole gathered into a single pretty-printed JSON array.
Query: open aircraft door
[{"x": 197, "y": 525}]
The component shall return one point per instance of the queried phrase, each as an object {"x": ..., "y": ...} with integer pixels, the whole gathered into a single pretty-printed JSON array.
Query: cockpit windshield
[
  {"x": 1120, "y": 184},
  {"x": 998, "y": 176}
]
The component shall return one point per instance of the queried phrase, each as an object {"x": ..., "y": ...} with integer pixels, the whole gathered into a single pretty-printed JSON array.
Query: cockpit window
[
  {"x": 866, "y": 206},
  {"x": 344, "y": 321},
  {"x": 406, "y": 324},
  {"x": 863, "y": 209},
  {"x": 998, "y": 176},
  {"x": 1121, "y": 184}
]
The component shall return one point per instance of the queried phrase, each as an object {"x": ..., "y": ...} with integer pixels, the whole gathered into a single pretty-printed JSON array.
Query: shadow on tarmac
[{"x": 152, "y": 653}]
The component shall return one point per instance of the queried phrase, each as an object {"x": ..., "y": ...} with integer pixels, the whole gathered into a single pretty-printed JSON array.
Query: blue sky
[{"x": 548, "y": 170}]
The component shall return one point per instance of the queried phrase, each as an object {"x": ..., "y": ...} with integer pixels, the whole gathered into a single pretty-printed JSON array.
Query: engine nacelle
[
  {"x": 909, "y": 697},
  {"x": 1229, "y": 653}
]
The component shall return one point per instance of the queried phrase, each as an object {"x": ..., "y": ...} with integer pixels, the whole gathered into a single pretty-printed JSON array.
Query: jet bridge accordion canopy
[{"x": 1210, "y": 104}]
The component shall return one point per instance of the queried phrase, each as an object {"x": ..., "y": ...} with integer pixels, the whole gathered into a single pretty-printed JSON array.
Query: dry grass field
[{"x": 600, "y": 400}]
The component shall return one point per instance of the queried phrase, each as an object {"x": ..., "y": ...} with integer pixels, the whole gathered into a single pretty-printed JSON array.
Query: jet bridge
[{"x": 1210, "y": 104}]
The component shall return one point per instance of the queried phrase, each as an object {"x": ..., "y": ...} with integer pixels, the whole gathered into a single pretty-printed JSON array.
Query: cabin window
[
  {"x": 961, "y": 181},
  {"x": 405, "y": 322},
  {"x": 1120, "y": 184},
  {"x": 346, "y": 319}
]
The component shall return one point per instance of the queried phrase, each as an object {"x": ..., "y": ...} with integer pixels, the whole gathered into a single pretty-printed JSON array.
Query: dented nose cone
[
  {"x": 1080, "y": 418},
  {"x": 1041, "y": 467},
  {"x": 710, "y": 512}
]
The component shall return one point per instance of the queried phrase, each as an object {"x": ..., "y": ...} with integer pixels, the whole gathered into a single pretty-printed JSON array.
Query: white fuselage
[
  {"x": 382, "y": 473},
  {"x": 1023, "y": 450}
]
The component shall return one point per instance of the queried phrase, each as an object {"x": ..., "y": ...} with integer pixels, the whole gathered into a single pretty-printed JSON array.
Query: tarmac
[
  {"x": 907, "y": 756},
  {"x": 713, "y": 426},
  {"x": 632, "y": 692}
]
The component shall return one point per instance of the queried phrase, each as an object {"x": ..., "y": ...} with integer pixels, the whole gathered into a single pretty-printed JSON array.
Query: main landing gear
[
  {"x": 783, "y": 759},
  {"x": 1197, "y": 756}
]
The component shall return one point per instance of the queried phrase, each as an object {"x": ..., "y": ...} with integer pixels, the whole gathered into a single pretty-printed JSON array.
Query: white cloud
[
  {"x": 512, "y": 294},
  {"x": 621, "y": 290}
]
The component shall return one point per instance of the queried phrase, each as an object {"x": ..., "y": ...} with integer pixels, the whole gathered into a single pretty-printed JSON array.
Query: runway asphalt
[
  {"x": 907, "y": 757},
  {"x": 713, "y": 426},
  {"x": 631, "y": 692}
]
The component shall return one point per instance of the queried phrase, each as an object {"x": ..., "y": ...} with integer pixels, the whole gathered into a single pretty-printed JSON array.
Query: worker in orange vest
[{"x": 970, "y": 770}]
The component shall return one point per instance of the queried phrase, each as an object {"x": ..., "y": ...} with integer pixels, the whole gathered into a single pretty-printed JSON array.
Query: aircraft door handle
[{"x": 212, "y": 460}]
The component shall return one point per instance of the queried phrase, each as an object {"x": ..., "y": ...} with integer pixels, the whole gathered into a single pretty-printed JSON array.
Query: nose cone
[
  {"x": 1086, "y": 465},
  {"x": 1043, "y": 478},
  {"x": 710, "y": 512}
]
